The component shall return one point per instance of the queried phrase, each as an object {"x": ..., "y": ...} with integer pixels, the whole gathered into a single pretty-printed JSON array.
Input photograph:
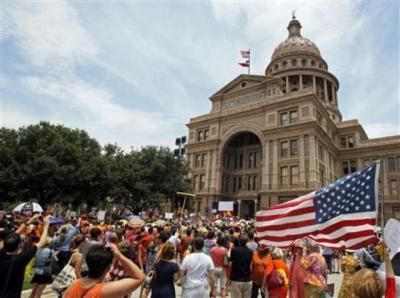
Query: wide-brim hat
[{"x": 136, "y": 223}]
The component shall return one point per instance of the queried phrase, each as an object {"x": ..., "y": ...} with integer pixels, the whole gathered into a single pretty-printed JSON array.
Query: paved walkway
[{"x": 332, "y": 278}]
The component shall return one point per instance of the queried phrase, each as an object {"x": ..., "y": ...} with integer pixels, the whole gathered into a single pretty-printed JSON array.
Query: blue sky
[{"x": 133, "y": 73}]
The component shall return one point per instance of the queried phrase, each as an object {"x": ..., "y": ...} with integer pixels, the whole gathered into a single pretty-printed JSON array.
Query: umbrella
[
  {"x": 160, "y": 223},
  {"x": 133, "y": 217},
  {"x": 28, "y": 208},
  {"x": 57, "y": 220}
]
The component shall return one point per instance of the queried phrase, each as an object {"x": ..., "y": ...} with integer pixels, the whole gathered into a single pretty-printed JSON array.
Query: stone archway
[{"x": 241, "y": 165}]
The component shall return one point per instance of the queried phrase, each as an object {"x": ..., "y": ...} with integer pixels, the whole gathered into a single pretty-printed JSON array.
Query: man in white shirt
[{"x": 199, "y": 270}]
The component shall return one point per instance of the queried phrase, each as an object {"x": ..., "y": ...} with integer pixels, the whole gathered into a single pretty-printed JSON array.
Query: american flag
[
  {"x": 245, "y": 54},
  {"x": 340, "y": 215}
]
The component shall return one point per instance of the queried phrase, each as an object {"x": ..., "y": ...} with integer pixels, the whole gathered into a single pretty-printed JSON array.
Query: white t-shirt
[{"x": 197, "y": 266}]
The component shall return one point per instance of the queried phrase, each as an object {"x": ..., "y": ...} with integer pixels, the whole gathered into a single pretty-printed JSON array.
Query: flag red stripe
[
  {"x": 288, "y": 204},
  {"x": 291, "y": 225},
  {"x": 365, "y": 243},
  {"x": 294, "y": 212},
  {"x": 346, "y": 236},
  {"x": 330, "y": 229}
]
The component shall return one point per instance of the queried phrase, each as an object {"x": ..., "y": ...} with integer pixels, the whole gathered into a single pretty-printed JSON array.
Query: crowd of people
[{"x": 207, "y": 259}]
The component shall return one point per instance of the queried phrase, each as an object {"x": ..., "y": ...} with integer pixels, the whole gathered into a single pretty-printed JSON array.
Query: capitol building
[{"x": 271, "y": 138}]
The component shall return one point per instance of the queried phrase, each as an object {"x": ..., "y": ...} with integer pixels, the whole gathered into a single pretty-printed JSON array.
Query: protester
[
  {"x": 252, "y": 244},
  {"x": 241, "y": 257},
  {"x": 297, "y": 272},
  {"x": 219, "y": 255},
  {"x": 99, "y": 260},
  {"x": 198, "y": 270},
  {"x": 327, "y": 253},
  {"x": 316, "y": 273},
  {"x": 14, "y": 257},
  {"x": 43, "y": 269},
  {"x": 261, "y": 266},
  {"x": 63, "y": 241},
  {"x": 77, "y": 258},
  {"x": 368, "y": 284},
  {"x": 166, "y": 273},
  {"x": 279, "y": 264},
  {"x": 350, "y": 264}
]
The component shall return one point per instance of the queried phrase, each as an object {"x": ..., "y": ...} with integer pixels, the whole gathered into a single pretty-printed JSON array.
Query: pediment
[{"x": 241, "y": 82}]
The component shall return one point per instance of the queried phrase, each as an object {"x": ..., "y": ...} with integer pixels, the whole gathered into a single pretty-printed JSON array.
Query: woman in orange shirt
[
  {"x": 280, "y": 265},
  {"x": 99, "y": 260},
  {"x": 261, "y": 265}
]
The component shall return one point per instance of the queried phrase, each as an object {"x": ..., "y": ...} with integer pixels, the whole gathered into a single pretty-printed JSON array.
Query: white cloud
[
  {"x": 377, "y": 130},
  {"x": 48, "y": 34}
]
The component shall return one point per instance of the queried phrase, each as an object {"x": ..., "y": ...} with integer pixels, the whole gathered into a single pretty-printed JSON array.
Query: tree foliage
[{"x": 50, "y": 163}]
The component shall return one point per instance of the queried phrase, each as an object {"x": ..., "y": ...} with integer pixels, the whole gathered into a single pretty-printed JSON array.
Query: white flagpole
[{"x": 249, "y": 63}]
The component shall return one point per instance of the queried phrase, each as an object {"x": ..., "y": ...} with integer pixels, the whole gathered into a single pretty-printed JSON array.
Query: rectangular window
[
  {"x": 284, "y": 118},
  {"x": 227, "y": 184},
  {"x": 195, "y": 182},
  {"x": 293, "y": 148},
  {"x": 197, "y": 161},
  {"x": 350, "y": 141},
  {"x": 391, "y": 164},
  {"x": 236, "y": 161},
  {"x": 353, "y": 166},
  {"x": 239, "y": 183},
  {"x": 200, "y": 134},
  {"x": 284, "y": 148},
  {"x": 234, "y": 185},
  {"x": 250, "y": 160},
  {"x": 248, "y": 182},
  {"x": 228, "y": 161},
  {"x": 322, "y": 176},
  {"x": 255, "y": 160},
  {"x": 254, "y": 186},
  {"x": 284, "y": 176},
  {"x": 203, "y": 159},
  {"x": 398, "y": 163},
  {"x": 345, "y": 167},
  {"x": 240, "y": 160},
  {"x": 293, "y": 117},
  {"x": 294, "y": 175},
  {"x": 206, "y": 134},
  {"x": 394, "y": 187},
  {"x": 343, "y": 142},
  {"x": 202, "y": 181}
]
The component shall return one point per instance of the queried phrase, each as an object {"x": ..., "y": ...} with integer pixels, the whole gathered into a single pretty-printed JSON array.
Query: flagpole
[
  {"x": 382, "y": 192},
  {"x": 249, "y": 62}
]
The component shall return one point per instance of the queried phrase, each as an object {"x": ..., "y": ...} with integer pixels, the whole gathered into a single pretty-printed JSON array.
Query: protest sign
[{"x": 391, "y": 236}]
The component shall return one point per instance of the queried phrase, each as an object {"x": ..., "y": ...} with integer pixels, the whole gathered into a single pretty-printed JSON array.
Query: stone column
[
  {"x": 265, "y": 167},
  {"x": 313, "y": 163},
  {"x": 326, "y": 91},
  {"x": 333, "y": 95},
  {"x": 287, "y": 84},
  {"x": 302, "y": 168},
  {"x": 239, "y": 203},
  {"x": 275, "y": 171},
  {"x": 301, "y": 82},
  {"x": 314, "y": 84},
  {"x": 255, "y": 207}
]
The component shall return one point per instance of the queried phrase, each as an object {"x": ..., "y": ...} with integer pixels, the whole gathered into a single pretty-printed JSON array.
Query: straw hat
[{"x": 136, "y": 223}]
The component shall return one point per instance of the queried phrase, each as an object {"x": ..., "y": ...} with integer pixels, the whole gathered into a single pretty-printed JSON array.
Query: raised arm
[
  {"x": 42, "y": 241},
  {"x": 126, "y": 285}
]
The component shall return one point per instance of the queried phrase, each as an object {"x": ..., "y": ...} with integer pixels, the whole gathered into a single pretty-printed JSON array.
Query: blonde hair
[
  {"x": 367, "y": 284},
  {"x": 277, "y": 253}
]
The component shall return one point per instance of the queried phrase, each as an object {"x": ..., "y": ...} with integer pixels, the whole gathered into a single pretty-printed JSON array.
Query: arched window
[
  {"x": 294, "y": 62},
  {"x": 304, "y": 62},
  {"x": 284, "y": 64},
  {"x": 312, "y": 63}
]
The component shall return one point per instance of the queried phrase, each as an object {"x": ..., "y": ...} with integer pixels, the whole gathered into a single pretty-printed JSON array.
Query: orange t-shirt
[
  {"x": 260, "y": 267},
  {"x": 77, "y": 290}
]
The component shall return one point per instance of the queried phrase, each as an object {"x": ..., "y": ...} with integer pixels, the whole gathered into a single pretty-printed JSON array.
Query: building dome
[{"x": 295, "y": 43}]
